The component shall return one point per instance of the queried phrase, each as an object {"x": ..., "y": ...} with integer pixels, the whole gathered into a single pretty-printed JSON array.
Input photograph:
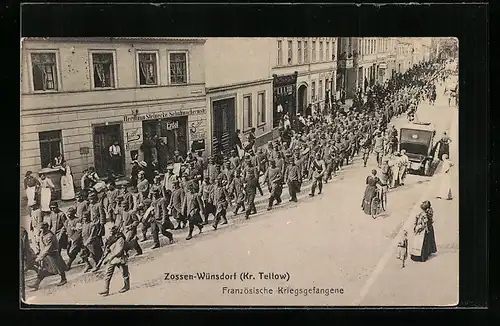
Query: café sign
[{"x": 163, "y": 115}]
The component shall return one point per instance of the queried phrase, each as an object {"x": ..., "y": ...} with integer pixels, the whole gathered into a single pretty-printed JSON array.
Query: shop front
[
  {"x": 165, "y": 136},
  {"x": 284, "y": 97},
  {"x": 105, "y": 135},
  {"x": 154, "y": 137}
]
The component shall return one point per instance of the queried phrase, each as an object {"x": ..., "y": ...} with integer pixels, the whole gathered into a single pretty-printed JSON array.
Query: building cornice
[
  {"x": 238, "y": 85},
  {"x": 115, "y": 39}
]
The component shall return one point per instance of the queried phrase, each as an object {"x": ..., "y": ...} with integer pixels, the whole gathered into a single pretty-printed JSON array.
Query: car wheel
[{"x": 427, "y": 168}]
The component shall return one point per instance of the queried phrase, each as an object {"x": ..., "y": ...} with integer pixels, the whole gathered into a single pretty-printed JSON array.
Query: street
[{"x": 323, "y": 242}]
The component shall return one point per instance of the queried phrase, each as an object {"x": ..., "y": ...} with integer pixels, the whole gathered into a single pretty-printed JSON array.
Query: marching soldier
[
  {"x": 127, "y": 223},
  {"x": 161, "y": 222},
  {"x": 293, "y": 178},
  {"x": 220, "y": 199},
  {"x": 175, "y": 205},
  {"x": 274, "y": 179},
  {"x": 318, "y": 167},
  {"x": 97, "y": 215},
  {"x": 251, "y": 186},
  {"x": 74, "y": 231},
  {"x": 193, "y": 205},
  {"x": 92, "y": 242},
  {"x": 57, "y": 225},
  {"x": 49, "y": 258},
  {"x": 206, "y": 191},
  {"x": 236, "y": 188},
  {"x": 117, "y": 257},
  {"x": 81, "y": 205},
  {"x": 143, "y": 185}
]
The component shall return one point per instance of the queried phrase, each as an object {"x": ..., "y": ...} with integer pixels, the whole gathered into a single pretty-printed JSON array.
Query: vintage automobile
[{"x": 417, "y": 139}]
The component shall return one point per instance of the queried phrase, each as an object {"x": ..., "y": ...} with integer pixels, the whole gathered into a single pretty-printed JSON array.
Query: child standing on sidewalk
[{"x": 402, "y": 253}]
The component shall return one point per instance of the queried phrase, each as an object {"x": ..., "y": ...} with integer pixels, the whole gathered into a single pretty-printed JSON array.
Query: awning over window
[{"x": 382, "y": 66}]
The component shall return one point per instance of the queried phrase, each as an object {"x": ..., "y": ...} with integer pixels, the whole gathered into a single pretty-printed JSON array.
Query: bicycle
[{"x": 378, "y": 203}]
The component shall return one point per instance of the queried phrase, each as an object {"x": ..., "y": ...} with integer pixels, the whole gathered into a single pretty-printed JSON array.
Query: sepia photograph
[{"x": 271, "y": 171}]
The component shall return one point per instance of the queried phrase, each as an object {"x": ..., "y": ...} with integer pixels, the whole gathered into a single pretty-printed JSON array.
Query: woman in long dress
[
  {"x": 370, "y": 192},
  {"x": 30, "y": 185},
  {"x": 444, "y": 145},
  {"x": 424, "y": 241},
  {"x": 67, "y": 184},
  {"x": 46, "y": 188},
  {"x": 445, "y": 188}
]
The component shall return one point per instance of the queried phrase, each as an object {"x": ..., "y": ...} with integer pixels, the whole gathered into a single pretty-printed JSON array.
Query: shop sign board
[{"x": 164, "y": 114}]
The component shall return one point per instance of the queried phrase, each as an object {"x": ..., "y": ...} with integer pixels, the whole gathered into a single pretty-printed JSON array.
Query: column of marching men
[{"x": 312, "y": 150}]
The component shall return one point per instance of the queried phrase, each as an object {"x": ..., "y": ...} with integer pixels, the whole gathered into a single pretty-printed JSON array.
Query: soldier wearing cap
[
  {"x": 156, "y": 186},
  {"x": 175, "y": 205},
  {"x": 274, "y": 179},
  {"x": 251, "y": 186},
  {"x": 220, "y": 199},
  {"x": 97, "y": 214},
  {"x": 318, "y": 168},
  {"x": 161, "y": 221},
  {"x": 57, "y": 225},
  {"x": 206, "y": 191},
  {"x": 117, "y": 257},
  {"x": 74, "y": 231},
  {"x": 143, "y": 185},
  {"x": 234, "y": 159},
  {"x": 127, "y": 223},
  {"x": 81, "y": 204},
  {"x": 49, "y": 258},
  {"x": 92, "y": 241},
  {"x": 193, "y": 205},
  {"x": 237, "y": 190},
  {"x": 145, "y": 214},
  {"x": 111, "y": 196}
]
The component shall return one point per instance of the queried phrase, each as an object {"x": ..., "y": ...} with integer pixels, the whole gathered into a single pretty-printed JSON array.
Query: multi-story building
[
  {"x": 304, "y": 71},
  {"x": 404, "y": 54},
  {"x": 79, "y": 95},
  {"x": 239, "y": 88}
]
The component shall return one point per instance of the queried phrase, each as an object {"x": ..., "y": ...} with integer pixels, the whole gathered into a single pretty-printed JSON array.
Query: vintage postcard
[{"x": 293, "y": 171}]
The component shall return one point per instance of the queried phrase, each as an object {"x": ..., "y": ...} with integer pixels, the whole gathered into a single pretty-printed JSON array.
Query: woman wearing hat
[{"x": 424, "y": 241}]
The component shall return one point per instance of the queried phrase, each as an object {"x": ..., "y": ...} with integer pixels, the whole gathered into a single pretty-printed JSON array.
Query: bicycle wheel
[
  {"x": 374, "y": 207},
  {"x": 384, "y": 201}
]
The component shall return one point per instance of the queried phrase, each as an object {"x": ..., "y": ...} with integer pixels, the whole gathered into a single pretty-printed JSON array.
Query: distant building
[
  {"x": 304, "y": 71},
  {"x": 239, "y": 89},
  {"x": 79, "y": 95}
]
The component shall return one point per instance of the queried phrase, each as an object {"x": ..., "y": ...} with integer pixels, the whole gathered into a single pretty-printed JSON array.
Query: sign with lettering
[
  {"x": 171, "y": 125},
  {"x": 132, "y": 146},
  {"x": 84, "y": 150},
  {"x": 163, "y": 115}
]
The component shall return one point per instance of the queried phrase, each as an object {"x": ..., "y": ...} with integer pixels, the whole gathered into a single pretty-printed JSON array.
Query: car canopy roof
[{"x": 426, "y": 126}]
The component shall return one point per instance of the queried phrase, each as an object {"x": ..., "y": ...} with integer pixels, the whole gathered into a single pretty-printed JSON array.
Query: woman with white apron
[
  {"x": 46, "y": 188},
  {"x": 445, "y": 189},
  {"x": 30, "y": 185},
  {"x": 67, "y": 184}
]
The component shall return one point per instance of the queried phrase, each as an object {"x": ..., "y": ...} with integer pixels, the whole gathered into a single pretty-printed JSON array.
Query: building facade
[
  {"x": 239, "y": 89},
  {"x": 304, "y": 71},
  {"x": 80, "y": 95}
]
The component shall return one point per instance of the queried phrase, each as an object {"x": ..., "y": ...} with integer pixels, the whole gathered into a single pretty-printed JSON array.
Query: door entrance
[
  {"x": 104, "y": 136},
  {"x": 224, "y": 124},
  {"x": 302, "y": 99},
  {"x": 166, "y": 136}
]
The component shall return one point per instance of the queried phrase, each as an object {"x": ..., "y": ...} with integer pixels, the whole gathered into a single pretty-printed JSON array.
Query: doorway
[
  {"x": 167, "y": 136},
  {"x": 302, "y": 99},
  {"x": 103, "y": 138},
  {"x": 223, "y": 124}
]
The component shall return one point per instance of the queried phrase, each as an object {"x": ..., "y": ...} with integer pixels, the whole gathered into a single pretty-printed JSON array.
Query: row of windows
[
  {"x": 45, "y": 75},
  {"x": 321, "y": 51},
  {"x": 372, "y": 46},
  {"x": 248, "y": 110},
  {"x": 321, "y": 91}
]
